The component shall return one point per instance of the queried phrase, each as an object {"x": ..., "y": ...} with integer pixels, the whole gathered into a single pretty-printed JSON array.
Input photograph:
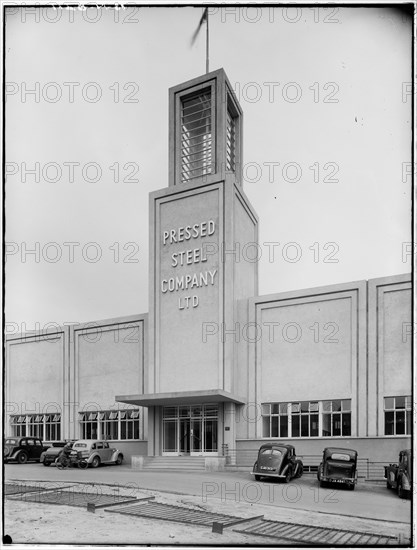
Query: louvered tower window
[
  {"x": 230, "y": 141},
  {"x": 197, "y": 154}
]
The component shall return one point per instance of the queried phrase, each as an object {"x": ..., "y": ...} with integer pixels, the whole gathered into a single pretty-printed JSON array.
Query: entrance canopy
[{"x": 180, "y": 398}]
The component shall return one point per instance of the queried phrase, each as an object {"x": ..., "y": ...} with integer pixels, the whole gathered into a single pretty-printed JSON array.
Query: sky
[{"x": 326, "y": 97}]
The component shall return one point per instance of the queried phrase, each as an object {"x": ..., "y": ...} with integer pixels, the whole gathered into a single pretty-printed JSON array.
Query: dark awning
[{"x": 180, "y": 398}]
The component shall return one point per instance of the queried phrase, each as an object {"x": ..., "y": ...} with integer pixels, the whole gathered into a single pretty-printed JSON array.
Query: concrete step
[{"x": 174, "y": 463}]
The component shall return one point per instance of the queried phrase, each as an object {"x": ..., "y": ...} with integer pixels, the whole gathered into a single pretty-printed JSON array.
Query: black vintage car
[
  {"x": 338, "y": 466},
  {"x": 277, "y": 460},
  {"x": 399, "y": 476},
  {"x": 23, "y": 449}
]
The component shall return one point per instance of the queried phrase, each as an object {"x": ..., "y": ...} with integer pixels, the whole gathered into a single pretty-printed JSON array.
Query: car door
[
  {"x": 31, "y": 448},
  {"x": 38, "y": 448},
  {"x": 107, "y": 452}
]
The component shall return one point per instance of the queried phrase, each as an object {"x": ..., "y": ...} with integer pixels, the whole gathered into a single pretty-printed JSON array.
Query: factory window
[
  {"x": 110, "y": 425},
  {"x": 35, "y": 425},
  {"x": 18, "y": 424},
  {"x": 336, "y": 418},
  {"x": 44, "y": 426},
  {"x": 275, "y": 419},
  {"x": 307, "y": 419},
  {"x": 398, "y": 415},
  {"x": 52, "y": 427},
  {"x": 197, "y": 128}
]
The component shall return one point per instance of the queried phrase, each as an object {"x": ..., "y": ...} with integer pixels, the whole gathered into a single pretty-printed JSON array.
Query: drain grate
[
  {"x": 71, "y": 498},
  {"x": 169, "y": 512},
  {"x": 299, "y": 533},
  {"x": 18, "y": 488}
]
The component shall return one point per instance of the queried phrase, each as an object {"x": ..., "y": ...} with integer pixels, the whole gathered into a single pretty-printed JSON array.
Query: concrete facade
[
  {"x": 215, "y": 369},
  {"x": 72, "y": 370}
]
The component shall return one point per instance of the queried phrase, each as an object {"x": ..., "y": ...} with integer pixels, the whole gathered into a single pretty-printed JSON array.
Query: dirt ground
[{"x": 27, "y": 522}]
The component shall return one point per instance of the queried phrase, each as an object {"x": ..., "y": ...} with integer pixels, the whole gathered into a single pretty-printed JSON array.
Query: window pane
[
  {"x": 346, "y": 405},
  {"x": 327, "y": 406},
  {"x": 170, "y": 412},
  {"x": 265, "y": 426},
  {"x": 283, "y": 426},
  {"x": 283, "y": 408},
  {"x": 400, "y": 422},
  {"x": 274, "y": 426},
  {"x": 346, "y": 424},
  {"x": 400, "y": 402},
  {"x": 389, "y": 423},
  {"x": 327, "y": 425},
  {"x": 336, "y": 421},
  {"x": 136, "y": 430},
  {"x": 295, "y": 407},
  {"x": 314, "y": 407},
  {"x": 409, "y": 421},
  {"x": 170, "y": 437},
  {"x": 304, "y": 425},
  {"x": 314, "y": 425},
  {"x": 274, "y": 408},
  {"x": 266, "y": 408},
  {"x": 389, "y": 403},
  {"x": 337, "y": 405},
  {"x": 295, "y": 426},
  {"x": 196, "y": 411}
]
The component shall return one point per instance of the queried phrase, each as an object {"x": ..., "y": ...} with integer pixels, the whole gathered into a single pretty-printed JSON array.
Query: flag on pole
[{"x": 204, "y": 18}]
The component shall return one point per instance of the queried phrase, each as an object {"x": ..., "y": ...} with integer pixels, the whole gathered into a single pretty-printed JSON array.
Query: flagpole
[{"x": 207, "y": 42}]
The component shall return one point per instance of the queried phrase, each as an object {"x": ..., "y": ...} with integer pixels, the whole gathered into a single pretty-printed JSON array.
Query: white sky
[{"x": 360, "y": 58}]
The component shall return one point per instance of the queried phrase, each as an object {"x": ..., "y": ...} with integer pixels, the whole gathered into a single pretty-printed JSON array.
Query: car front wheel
[
  {"x": 46, "y": 463},
  {"x": 22, "y": 458},
  {"x": 95, "y": 462},
  {"x": 119, "y": 460},
  {"x": 287, "y": 478}
]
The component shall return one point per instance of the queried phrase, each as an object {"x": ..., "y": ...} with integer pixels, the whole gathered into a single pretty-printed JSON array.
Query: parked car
[
  {"x": 277, "y": 460},
  {"x": 23, "y": 449},
  {"x": 338, "y": 466},
  {"x": 399, "y": 476},
  {"x": 98, "y": 452},
  {"x": 49, "y": 456}
]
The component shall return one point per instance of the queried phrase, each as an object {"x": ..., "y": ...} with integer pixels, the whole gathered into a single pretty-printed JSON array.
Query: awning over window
[{"x": 180, "y": 398}]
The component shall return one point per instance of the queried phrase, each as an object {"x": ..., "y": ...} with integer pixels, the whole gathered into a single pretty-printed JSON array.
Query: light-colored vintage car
[{"x": 97, "y": 452}]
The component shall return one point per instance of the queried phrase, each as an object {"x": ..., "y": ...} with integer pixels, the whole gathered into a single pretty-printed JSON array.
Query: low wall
[{"x": 375, "y": 449}]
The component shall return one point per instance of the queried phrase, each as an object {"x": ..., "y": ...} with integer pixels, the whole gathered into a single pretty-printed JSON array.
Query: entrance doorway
[{"x": 190, "y": 430}]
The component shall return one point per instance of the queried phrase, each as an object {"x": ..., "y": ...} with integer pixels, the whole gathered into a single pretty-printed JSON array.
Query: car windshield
[
  {"x": 80, "y": 445},
  {"x": 11, "y": 441}
]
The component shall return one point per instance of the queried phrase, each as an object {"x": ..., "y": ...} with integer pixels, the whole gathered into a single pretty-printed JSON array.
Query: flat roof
[{"x": 180, "y": 398}]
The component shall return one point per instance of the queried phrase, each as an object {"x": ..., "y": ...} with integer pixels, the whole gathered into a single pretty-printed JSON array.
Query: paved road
[{"x": 367, "y": 501}]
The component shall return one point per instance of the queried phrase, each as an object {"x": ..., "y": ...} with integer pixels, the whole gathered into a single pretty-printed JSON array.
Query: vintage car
[
  {"x": 338, "y": 466},
  {"x": 277, "y": 460},
  {"x": 98, "y": 452},
  {"x": 23, "y": 449},
  {"x": 49, "y": 456},
  {"x": 399, "y": 476}
]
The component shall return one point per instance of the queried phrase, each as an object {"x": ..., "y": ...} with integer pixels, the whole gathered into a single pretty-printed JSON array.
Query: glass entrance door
[
  {"x": 190, "y": 429},
  {"x": 185, "y": 436}
]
